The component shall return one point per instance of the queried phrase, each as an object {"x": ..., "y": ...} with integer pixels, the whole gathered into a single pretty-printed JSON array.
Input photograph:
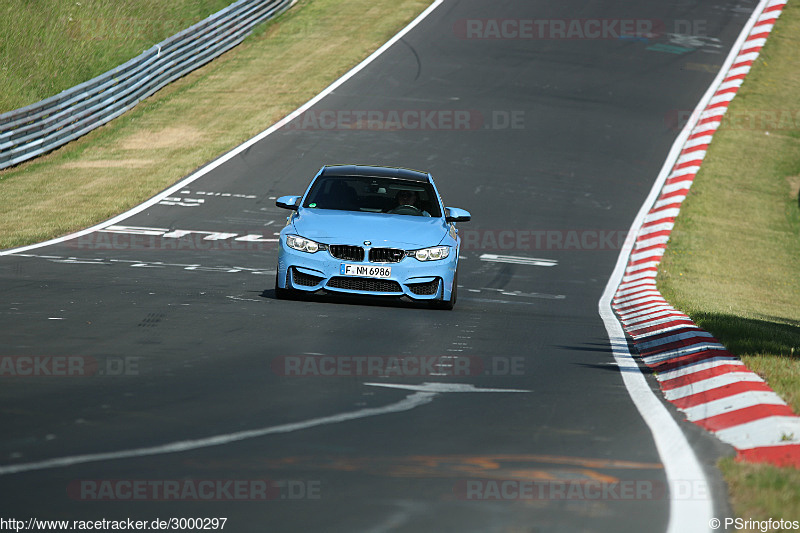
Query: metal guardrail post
[{"x": 33, "y": 130}]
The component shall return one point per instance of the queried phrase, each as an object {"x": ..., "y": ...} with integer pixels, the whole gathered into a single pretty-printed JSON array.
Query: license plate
[{"x": 365, "y": 271}]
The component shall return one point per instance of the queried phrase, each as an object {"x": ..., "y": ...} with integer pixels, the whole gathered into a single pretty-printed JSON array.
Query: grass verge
[
  {"x": 733, "y": 261},
  {"x": 208, "y": 112},
  {"x": 51, "y": 45}
]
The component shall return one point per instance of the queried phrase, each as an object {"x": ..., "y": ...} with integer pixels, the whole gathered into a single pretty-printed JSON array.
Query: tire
[
  {"x": 448, "y": 305},
  {"x": 282, "y": 294}
]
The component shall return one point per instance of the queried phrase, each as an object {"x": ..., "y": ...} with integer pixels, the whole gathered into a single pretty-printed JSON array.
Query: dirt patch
[
  {"x": 110, "y": 163},
  {"x": 170, "y": 137}
]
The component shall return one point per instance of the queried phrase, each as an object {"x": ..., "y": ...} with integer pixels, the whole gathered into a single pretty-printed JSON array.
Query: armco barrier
[{"x": 30, "y": 131}]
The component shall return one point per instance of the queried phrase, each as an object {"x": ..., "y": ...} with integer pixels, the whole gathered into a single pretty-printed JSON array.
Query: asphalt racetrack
[{"x": 158, "y": 357}]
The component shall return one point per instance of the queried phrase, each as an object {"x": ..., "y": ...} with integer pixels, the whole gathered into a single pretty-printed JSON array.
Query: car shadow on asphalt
[{"x": 370, "y": 301}]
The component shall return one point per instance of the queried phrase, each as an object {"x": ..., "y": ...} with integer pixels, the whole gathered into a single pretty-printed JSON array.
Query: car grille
[
  {"x": 364, "y": 284},
  {"x": 386, "y": 255},
  {"x": 347, "y": 252},
  {"x": 305, "y": 280},
  {"x": 424, "y": 289}
]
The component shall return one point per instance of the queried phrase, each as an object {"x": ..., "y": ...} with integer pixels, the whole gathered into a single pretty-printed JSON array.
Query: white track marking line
[
  {"x": 152, "y": 264},
  {"x": 441, "y": 387},
  {"x": 409, "y": 402},
  {"x": 494, "y": 258},
  {"x": 686, "y": 515},
  {"x": 423, "y": 394},
  {"x": 239, "y": 149}
]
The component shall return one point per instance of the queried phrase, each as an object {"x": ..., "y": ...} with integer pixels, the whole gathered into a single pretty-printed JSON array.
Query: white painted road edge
[
  {"x": 726, "y": 400},
  {"x": 421, "y": 395},
  {"x": 409, "y": 402},
  {"x": 692, "y": 514},
  {"x": 239, "y": 149}
]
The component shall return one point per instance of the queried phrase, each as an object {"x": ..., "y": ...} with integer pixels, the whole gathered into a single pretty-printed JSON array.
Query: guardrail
[{"x": 33, "y": 130}]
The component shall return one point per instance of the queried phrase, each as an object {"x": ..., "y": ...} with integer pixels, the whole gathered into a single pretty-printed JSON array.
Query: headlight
[
  {"x": 432, "y": 254},
  {"x": 303, "y": 245}
]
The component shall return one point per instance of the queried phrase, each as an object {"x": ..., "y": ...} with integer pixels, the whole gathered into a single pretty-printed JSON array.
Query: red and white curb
[{"x": 712, "y": 387}]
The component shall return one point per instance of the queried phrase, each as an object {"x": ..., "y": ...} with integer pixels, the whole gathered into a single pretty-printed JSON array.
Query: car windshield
[{"x": 374, "y": 195}]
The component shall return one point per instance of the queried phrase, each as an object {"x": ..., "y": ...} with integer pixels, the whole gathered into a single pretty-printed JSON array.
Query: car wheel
[
  {"x": 449, "y": 304},
  {"x": 282, "y": 294}
]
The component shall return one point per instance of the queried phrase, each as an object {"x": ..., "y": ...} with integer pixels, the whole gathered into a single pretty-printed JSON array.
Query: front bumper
[{"x": 418, "y": 280}]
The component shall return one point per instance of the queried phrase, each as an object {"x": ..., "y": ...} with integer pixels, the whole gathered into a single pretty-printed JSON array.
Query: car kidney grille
[
  {"x": 364, "y": 284},
  {"x": 347, "y": 252},
  {"x": 386, "y": 255}
]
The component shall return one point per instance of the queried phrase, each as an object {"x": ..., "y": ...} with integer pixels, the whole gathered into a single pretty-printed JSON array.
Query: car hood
[{"x": 351, "y": 227}]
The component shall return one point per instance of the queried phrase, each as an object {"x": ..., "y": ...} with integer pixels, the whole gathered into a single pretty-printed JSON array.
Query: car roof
[{"x": 378, "y": 172}]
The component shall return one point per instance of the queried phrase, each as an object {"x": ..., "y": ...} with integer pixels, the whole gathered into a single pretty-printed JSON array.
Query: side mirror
[
  {"x": 454, "y": 214},
  {"x": 288, "y": 202}
]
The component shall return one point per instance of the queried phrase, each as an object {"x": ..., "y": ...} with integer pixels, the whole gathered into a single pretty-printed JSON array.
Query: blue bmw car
[{"x": 372, "y": 231}]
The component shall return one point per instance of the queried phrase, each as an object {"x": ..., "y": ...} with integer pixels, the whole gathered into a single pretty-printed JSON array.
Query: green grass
[
  {"x": 733, "y": 261},
  {"x": 195, "y": 119},
  {"x": 761, "y": 492},
  {"x": 47, "y": 46}
]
